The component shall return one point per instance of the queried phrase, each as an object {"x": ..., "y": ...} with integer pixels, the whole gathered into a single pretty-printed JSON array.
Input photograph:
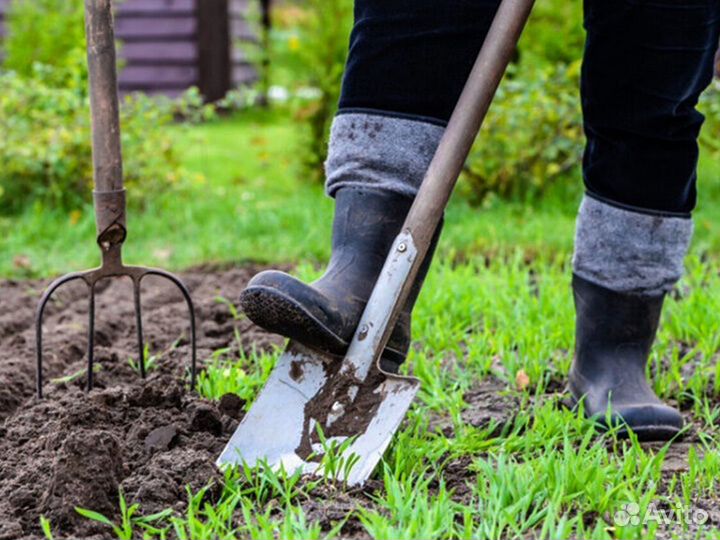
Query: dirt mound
[
  {"x": 78, "y": 450},
  {"x": 149, "y": 438}
]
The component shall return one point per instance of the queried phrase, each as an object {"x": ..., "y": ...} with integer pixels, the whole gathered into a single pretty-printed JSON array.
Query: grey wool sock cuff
[
  {"x": 382, "y": 152},
  {"x": 627, "y": 251}
]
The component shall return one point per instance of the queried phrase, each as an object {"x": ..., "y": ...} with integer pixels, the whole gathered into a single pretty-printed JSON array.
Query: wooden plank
[
  {"x": 243, "y": 74},
  {"x": 161, "y": 8},
  {"x": 135, "y": 28},
  {"x": 239, "y": 55},
  {"x": 171, "y": 93},
  {"x": 158, "y": 76},
  {"x": 239, "y": 8},
  {"x": 3, "y": 8},
  {"x": 240, "y": 29},
  {"x": 159, "y": 52}
]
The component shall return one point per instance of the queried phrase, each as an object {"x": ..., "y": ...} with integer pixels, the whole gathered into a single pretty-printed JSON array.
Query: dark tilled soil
[{"x": 151, "y": 438}]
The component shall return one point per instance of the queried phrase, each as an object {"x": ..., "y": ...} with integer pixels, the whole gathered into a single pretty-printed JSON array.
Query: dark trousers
[{"x": 646, "y": 64}]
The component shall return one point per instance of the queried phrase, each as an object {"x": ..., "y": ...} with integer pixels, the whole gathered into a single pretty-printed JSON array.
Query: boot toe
[
  {"x": 649, "y": 421},
  {"x": 285, "y": 305}
]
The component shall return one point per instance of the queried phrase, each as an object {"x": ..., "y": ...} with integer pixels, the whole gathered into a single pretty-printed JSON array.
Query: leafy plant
[
  {"x": 72, "y": 377},
  {"x": 319, "y": 49},
  {"x": 532, "y": 135},
  {"x": 46, "y": 528},
  {"x": 45, "y": 150},
  {"x": 130, "y": 520},
  {"x": 710, "y": 106},
  {"x": 151, "y": 360},
  {"x": 47, "y": 32},
  {"x": 554, "y": 33},
  {"x": 337, "y": 462},
  {"x": 244, "y": 375},
  {"x": 232, "y": 308}
]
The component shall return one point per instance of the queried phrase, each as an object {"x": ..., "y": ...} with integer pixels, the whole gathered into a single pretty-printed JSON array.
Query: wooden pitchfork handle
[{"x": 109, "y": 194}]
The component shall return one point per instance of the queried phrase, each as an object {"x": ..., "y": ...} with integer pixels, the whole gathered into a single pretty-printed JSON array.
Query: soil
[{"x": 152, "y": 438}]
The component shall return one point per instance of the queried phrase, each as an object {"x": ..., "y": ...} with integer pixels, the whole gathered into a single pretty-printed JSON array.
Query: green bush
[
  {"x": 315, "y": 52},
  {"x": 48, "y": 32},
  {"x": 532, "y": 135},
  {"x": 554, "y": 32},
  {"x": 45, "y": 150},
  {"x": 710, "y": 106}
]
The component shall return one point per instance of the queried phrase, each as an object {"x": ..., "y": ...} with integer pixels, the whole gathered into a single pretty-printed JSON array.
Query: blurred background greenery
[{"x": 239, "y": 181}]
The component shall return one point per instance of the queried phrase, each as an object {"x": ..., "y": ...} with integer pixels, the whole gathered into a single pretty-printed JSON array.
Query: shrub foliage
[
  {"x": 311, "y": 46},
  {"x": 45, "y": 147},
  {"x": 532, "y": 135},
  {"x": 45, "y": 150}
]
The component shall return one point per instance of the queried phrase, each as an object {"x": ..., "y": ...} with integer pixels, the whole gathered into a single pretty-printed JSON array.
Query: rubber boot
[
  {"x": 614, "y": 334},
  {"x": 325, "y": 313}
]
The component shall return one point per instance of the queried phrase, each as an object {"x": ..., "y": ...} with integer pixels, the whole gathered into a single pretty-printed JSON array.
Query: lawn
[{"x": 488, "y": 450}]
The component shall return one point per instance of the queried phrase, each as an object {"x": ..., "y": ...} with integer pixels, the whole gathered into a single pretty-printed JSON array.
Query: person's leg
[
  {"x": 407, "y": 65},
  {"x": 646, "y": 63}
]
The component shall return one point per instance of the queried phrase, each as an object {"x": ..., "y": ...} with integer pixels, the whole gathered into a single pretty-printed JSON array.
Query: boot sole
[
  {"x": 281, "y": 314},
  {"x": 647, "y": 433},
  {"x": 650, "y": 433}
]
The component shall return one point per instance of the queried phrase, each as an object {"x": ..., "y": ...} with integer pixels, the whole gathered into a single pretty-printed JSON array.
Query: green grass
[
  {"x": 246, "y": 200},
  {"x": 548, "y": 474},
  {"x": 496, "y": 303}
]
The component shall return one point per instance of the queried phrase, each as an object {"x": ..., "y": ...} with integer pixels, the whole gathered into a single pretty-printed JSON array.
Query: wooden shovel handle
[
  {"x": 107, "y": 151},
  {"x": 466, "y": 120}
]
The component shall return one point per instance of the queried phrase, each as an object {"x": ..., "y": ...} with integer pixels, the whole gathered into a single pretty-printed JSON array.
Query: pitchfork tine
[
  {"x": 55, "y": 285},
  {"x": 138, "y": 326},
  {"x": 91, "y": 337},
  {"x": 191, "y": 308}
]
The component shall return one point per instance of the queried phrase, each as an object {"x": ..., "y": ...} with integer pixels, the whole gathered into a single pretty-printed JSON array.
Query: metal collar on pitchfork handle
[{"x": 109, "y": 195}]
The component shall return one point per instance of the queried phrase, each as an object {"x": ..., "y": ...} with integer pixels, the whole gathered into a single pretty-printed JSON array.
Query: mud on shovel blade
[{"x": 351, "y": 398}]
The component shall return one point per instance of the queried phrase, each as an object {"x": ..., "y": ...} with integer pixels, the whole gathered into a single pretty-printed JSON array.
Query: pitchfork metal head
[{"x": 111, "y": 224}]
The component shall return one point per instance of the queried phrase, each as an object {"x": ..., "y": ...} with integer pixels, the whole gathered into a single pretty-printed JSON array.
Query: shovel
[{"x": 336, "y": 416}]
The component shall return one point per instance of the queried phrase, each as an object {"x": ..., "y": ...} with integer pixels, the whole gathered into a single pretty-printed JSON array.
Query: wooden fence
[{"x": 171, "y": 45}]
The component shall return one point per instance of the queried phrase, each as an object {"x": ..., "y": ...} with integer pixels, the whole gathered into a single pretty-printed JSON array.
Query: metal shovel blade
[{"x": 281, "y": 427}]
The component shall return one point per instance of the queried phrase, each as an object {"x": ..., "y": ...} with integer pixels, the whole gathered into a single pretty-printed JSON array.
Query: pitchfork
[{"x": 109, "y": 195}]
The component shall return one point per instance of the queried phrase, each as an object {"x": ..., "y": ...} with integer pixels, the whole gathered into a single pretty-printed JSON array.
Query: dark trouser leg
[
  {"x": 646, "y": 63},
  {"x": 408, "y": 63}
]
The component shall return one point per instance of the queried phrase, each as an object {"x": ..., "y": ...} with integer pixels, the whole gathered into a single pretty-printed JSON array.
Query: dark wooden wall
[{"x": 171, "y": 45}]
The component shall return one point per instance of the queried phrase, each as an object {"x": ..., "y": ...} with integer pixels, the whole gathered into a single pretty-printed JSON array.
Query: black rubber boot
[
  {"x": 325, "y": 314},
  {"x": 614, "y": 334}
]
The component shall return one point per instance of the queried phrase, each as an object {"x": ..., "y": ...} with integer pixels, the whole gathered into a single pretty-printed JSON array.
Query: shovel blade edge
[{"x": 275, "y": 426}]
